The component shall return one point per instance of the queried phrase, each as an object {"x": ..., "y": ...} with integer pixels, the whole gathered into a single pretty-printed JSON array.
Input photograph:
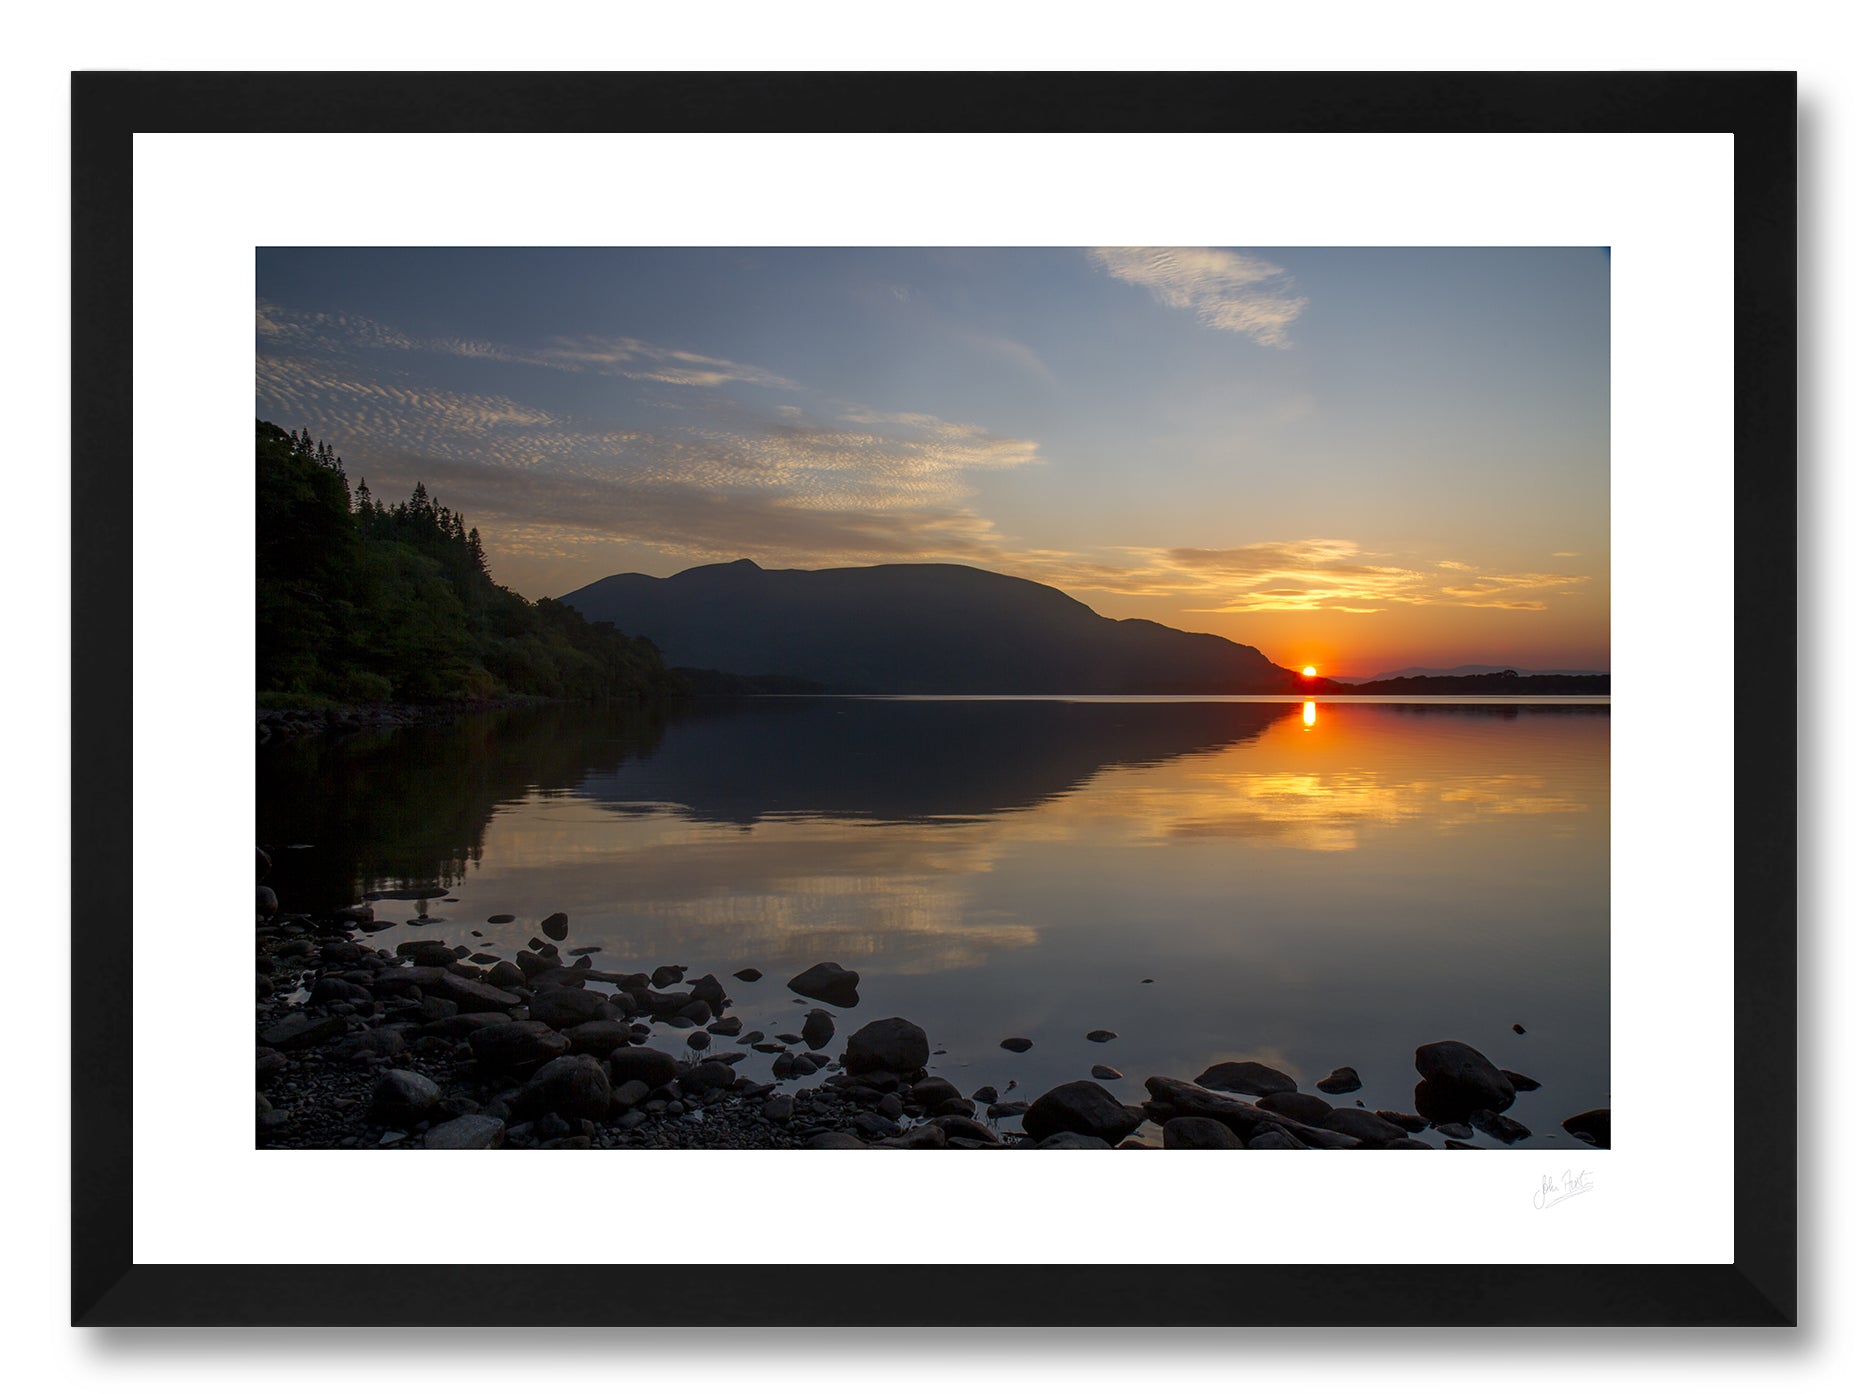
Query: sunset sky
[{"x": 1360, "y": 459}]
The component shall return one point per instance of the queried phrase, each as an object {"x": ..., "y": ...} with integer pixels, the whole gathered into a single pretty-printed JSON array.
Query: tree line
[{"x": 362, "y": 600}]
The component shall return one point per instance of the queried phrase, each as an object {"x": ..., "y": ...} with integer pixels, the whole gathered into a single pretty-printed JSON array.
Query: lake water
[{"x": 1309, "y": 885}]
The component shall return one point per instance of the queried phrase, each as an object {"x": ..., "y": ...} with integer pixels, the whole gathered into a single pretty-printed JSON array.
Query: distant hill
[
  {"x": 1507, "y": 683},
  {"x": 1466, "y": 670},
  {"x": 919, "y": 628}
]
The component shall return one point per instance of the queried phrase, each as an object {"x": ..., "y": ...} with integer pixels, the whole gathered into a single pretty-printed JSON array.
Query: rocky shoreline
[{"x": 429, "y": 1044}]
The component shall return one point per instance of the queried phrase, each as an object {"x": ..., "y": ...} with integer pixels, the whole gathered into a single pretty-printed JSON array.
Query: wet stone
[{"x": 1345, "y": 1080}]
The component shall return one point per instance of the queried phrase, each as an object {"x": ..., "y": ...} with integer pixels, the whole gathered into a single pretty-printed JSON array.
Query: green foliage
[{"x": 363, "y": 601}]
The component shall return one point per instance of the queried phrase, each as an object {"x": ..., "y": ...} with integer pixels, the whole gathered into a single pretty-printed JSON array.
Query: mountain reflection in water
[{"x": 1308, "y": 887}]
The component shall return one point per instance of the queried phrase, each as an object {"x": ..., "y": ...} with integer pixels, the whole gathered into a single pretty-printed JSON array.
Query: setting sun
[{"x": 1309, "y": 671}]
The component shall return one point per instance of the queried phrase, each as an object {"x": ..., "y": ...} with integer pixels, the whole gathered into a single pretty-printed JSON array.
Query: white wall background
[{"x": 1574, "y": 34}]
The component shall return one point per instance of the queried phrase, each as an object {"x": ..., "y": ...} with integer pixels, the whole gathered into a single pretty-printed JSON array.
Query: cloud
[
  {"x": 1227, "y": 290},
  {"x": 1456, "y": 566},
  {"x": 1307, "y": 574},
  {"x": 606, "y": 356},
  {"x": 824, "y": 483},
  {"x": 633, "y": 358}
]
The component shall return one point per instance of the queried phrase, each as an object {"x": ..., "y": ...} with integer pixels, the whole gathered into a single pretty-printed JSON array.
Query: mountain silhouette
[{"x": 930, "y": 629}]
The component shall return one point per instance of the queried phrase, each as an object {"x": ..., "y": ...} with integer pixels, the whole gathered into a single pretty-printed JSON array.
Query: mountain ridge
[{"x": 925, "y": 627}]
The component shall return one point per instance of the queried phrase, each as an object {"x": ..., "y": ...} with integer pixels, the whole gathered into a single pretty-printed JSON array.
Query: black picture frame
[{"x": 1757, "y": 1289}]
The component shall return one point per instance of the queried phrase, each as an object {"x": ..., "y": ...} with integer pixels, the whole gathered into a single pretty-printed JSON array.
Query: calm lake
[{"x": 1309, "y": 885}]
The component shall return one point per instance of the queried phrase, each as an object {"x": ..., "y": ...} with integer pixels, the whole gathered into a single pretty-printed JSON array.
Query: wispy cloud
[
  {"x": 606, "y": 356},
  {"x": 1308, "y": 574},
  {"x": 809, "y": 483},
  {"x": 1227, "y": 290}
]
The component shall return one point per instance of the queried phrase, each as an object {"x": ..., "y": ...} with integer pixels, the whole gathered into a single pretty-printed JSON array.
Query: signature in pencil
[{"x": 1554, "y": 1189}]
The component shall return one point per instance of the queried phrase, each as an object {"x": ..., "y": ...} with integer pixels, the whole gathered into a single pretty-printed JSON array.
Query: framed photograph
[{"x": 1154, "y": 636}]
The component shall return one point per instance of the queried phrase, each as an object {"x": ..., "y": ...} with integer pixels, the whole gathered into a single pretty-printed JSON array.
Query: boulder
[
  {"x": 1593, "y": 1126},
  {"x": 428, "y": 953},
  {"x": 834, "y": 1141},
  {"x": 1018, "y": 1045},
  {"x": 1458, "y": 1080},
  {"x": 748, "y": 975},
  {"x": 472, "y": 1132},
  {"x": 403, "y": 1098},
  {"x": 1081, "y": 1106},
  {"x": 1369, "y": 1128},
  {"x": 1104, "y": 1072},
  {"x": 630, "y": 1094},
  {"x": 1304, "y": 1108},
  {"x": 375, "y": 1043},
  {"x": 828, "y": 983},
  {"x": 599, "y": 1038},
  {"x": 470, "y": 994},
  {"x": 891, "y": 1045},
  {"x": 1245, "y": 1077},
  {"x": 575, "y": 1087},
  {"x": 707, "y": 989},
  {"x": 929, "y": 1092},
  {"x": 1200, "y": 1134},
  {"x": 1072, "y": 1142},
  {"x": 299, "y": 1032},
  {"x": 562, "y": 1007},
  {"x": 451, "y": 1024},
  {"x": 1499, "y": 1126},
  {"x": 708, "y": 1074},
  {"x": 555, "y": 926},
  {"x": 1274, "y": 1140},
  {"x": 1174, "y": 1098},
  {"x": 512, "y": 1044},
  {"x": 267, "y": 902},
  {"x": 504, "y": 975},
  {"x": 928, "y": 1135},
  {"x": 653, "y": 1067},
  {"x": 1522, "y": 1084},
  {"x": 1100, "y": 1036},
  {"x": 956, "y": 1129},
  {"x": 1345, "y": 1080},
  {"x": 818, "y": 1028}
]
